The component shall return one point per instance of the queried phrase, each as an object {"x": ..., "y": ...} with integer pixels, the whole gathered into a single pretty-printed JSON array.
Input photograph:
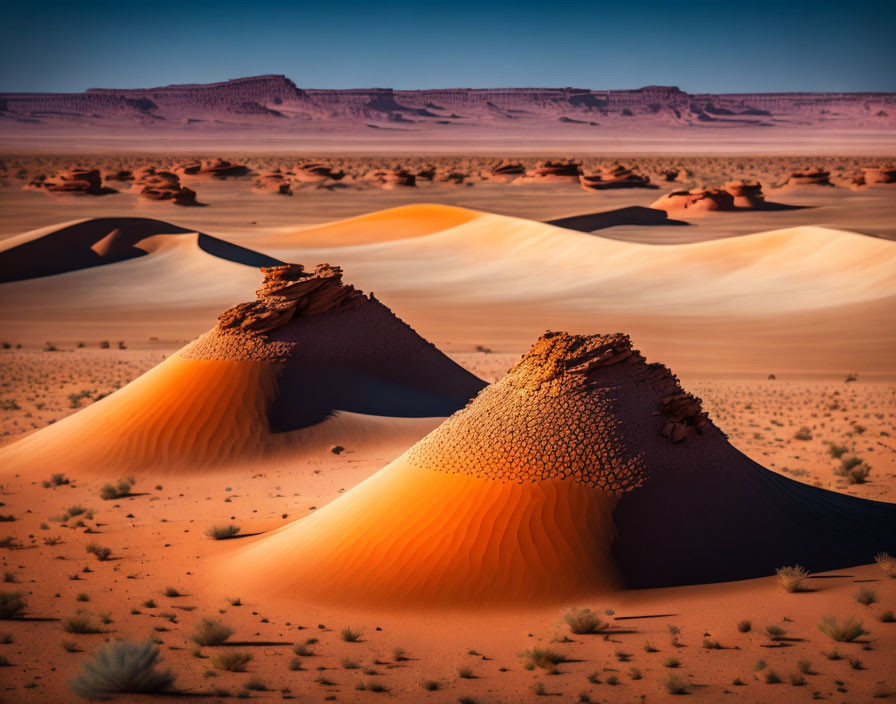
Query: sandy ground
[{"x": 810, "y": 305}]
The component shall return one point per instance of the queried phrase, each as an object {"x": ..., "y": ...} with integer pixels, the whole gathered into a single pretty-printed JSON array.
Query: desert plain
[{"x": 283, "y": 508}]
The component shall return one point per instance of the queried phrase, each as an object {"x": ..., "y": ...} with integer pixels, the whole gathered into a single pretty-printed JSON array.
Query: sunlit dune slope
[
  {"x": 404, "y": 222},
  {"x": 311, "y": 363},
  {"x": 582, "y": 470}
]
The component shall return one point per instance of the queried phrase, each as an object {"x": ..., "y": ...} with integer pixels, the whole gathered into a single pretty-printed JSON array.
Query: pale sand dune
[{"x": 798, "y": 298}]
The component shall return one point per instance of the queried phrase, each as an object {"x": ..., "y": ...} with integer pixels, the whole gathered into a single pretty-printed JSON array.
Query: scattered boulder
[
  {"x": 391, "y": 178},
  {"x": 163, "y": 186},
  {"x": 697, "y": 200},
  {"x": 875, "y": 176},
  {"x": 556, "y": 170},
  {"x": 747, "y": 194},
  {"x": 275, "y": 181}
]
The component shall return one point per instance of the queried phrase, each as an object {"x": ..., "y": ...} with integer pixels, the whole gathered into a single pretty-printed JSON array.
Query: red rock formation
[
  {"x": 617, "y": 177},
  {"x": 391, "y": 178},
  {"x": 556, "y": 170},
  {"x": 875, "y": 176},
  {"x": 275, "y": 181},
  {"x": 317, "y": 171},
  {"x": 747, "y": 194},
  {"x": 163, "y": 186},
  {"x": 809, "y": 177},
  {"x": 75, "y": 181},
  {"x": 289, "y": 292},
  {"x": 506, "y": 167},
  {"x": 696, "y": 200}
]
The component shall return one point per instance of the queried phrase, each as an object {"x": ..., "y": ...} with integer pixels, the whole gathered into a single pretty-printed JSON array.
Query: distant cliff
[{"x": 275, "y": 103}]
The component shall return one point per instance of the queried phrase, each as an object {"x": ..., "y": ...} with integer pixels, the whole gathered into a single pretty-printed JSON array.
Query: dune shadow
[
  {"x": 630, "y": 215},
  {"x": 311, "y": 392},
  {"x": 100, "y": 241}
]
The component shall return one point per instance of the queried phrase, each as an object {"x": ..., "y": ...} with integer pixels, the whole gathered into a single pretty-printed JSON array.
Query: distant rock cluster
[{"x": 77, "y": 181}]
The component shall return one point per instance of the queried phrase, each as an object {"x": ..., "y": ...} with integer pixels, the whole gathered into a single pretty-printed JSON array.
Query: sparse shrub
[
  {"x": 465, "y": 672},
  {"x": 856, "y": 664},
  {"x": 539, "y": 689},
  {"x": 12, "y": 605},
  {"x": 837, "y": 451},
  {"x": 865, "y": 596},
  {"x": 792, "y": 578},
  {"x": 671, "y": 662},
  {"x": 118, "y": 490},
  {"x": 887, "y": 617},
  {"x": 70, "y": 646},
  {"x": 349, "y": 664},
  {"x": 583, "y": 621},
  {"x": 351, "y": 635},
  {"x": 82, "y": 597},
  {"x": 255, "y": 684},
  {"x": 844, "y": 632},
  {"x": 805, "y": 667},
  {"x": 676, "y": 684},
  {"x": 211, "y": 632},
  {"x": 101, "y": 553},
  {"x": 222, "y": 532},
  {"x": 81, "y": 622},
  {"x": 431, "y": 685},
  {"x": 123, "y": 667},
  {"x": 797, "y": 680},
  {"x": 399, "y": 654},
  {"x": 635, "y": 673},
  {"x": 744, "y": 626},
  {"x": 771, "y": 677},
  {"x": 544, "y": 658},
  {"x": 304, "y": 649},
  {"x": 612, "y": 680},
  {"x": 171, "y": 592},
  {"x": 232, "y": 661},
  {"x": 887, "y": 563},
  {"x": 804, "y": 433},
  {"x": 710, "y": 644},
  {"x": 775, "y": 633}
]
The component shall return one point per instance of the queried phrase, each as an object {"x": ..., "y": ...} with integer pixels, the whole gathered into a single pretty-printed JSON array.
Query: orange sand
[{"x": 409, "y": 536}]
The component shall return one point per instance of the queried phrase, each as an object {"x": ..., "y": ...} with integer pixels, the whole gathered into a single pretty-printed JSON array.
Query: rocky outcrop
[
  {"x": 875, "y": 176},
  {"x": 699, "y": 200},
  {"x": 163, "y": 186},
  {"x": 75, "y": 181},
  {"x": 317, "y": 171},
  {"x": 556, "y": 170},
  {"x": 275, "y": 181},
  {"x": 394, "y": 177},
  {"x": 508, "y": 168},
  {"x": 617, "y": 177},
  {"x": 809, "y": 177},
  {"x": 746, "y": 194},
  {"x": 288, "y": 292}
]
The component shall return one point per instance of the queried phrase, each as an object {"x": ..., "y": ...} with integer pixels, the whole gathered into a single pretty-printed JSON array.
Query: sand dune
[
  {"x": 311, "y": 364},
  {"x": 794, "y": 298},
  {"x": 581, "y": 470}
]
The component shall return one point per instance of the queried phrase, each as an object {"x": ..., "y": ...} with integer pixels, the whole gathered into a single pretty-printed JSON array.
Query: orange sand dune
[
  {"x": 583, "y": 469},
  {"x": 311, "y": 363},
  {"x": 404, "y": 222}
]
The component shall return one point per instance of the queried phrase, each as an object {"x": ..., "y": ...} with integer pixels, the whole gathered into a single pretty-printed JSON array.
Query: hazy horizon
[{"x": 707, "y": 48}]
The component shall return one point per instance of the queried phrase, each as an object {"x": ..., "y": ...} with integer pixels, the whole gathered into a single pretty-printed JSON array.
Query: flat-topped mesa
[
  {"x": 288, "y": 292},
  {"x": 587, "y": 408},
  {"x": 873, "y": 176}
]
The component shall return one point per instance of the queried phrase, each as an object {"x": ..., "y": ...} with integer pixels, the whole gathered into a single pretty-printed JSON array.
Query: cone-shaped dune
[
  {"x": 584, "y": 469},
  {"x": 311, "y": 363}
]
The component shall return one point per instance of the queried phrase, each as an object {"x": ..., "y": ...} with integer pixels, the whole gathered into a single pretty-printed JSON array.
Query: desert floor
[{"x": 766, "y": 304}]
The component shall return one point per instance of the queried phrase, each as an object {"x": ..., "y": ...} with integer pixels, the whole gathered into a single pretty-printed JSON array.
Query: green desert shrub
[{"x": 123, "y": 667}]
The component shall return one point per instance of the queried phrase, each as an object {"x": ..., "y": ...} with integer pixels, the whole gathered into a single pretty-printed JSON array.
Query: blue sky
[{"x": 719, "y": 46}]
